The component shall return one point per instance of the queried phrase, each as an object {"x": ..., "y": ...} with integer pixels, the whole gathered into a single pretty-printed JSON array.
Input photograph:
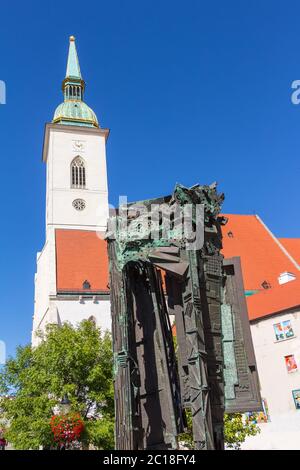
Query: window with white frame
[{"x": 78, "y": 173}]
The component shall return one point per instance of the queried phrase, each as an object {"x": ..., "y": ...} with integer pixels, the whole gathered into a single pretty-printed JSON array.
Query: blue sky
[{"x": 192, "y": 91}]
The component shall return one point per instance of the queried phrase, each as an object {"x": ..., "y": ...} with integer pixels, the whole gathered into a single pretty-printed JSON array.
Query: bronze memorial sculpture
[{"x": 165, "y": 261}]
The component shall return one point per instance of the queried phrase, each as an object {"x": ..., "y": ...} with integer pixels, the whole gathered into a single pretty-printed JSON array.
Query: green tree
[
  {"x": 76, "y": 362},
  {"x": 236, "y": 429}
]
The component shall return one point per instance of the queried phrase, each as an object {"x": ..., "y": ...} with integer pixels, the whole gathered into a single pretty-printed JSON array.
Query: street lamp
[{"x": 65, "y": 404}]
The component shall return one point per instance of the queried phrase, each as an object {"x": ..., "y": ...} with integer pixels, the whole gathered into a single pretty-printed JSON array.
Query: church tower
[{"x": 71, "y": 282}]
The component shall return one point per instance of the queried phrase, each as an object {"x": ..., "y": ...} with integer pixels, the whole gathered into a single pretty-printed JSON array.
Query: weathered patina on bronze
[{"x": 153, "y": 278}]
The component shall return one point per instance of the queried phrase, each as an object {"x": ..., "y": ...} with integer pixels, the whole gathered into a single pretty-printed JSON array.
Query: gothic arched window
[{"x": 78, "y": 173}]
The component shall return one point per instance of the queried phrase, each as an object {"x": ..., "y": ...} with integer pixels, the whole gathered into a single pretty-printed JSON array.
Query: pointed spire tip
[{"x": 73, "y": 68}]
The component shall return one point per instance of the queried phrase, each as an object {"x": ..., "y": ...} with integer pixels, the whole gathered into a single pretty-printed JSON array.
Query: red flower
[{"x": 67, "y": 428}]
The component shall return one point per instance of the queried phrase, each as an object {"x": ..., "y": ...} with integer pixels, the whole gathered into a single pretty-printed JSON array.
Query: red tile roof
[
  {"x": 262, "y": 257},
  {"x": 271, "y": 301},
  {"x": 81, "y": 255},
  {"x": 292, "y": 245}
]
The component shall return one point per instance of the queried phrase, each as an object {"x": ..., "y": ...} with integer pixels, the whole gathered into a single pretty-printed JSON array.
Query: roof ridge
[
  {"x": 289, "y": 238},
  {"x": 276, "y": 240},
  {"x": 240, "y": 215}
]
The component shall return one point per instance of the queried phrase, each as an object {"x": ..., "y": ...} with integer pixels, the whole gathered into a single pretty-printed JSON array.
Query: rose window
[{"x": 79, "y": 204}]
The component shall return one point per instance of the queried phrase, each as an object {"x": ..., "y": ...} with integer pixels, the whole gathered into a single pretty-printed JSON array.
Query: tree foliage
[
  {"x": 236, "y": 429},
  {"x": 76, "y": 362}
]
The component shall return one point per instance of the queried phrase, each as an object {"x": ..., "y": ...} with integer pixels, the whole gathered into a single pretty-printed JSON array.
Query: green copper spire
[
  {"x": 73, "y": 111},
  {"x": 73, "y": 68}
]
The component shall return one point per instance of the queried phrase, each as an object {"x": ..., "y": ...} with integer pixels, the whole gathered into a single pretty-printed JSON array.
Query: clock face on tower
[{"x": 78, "y": 145}]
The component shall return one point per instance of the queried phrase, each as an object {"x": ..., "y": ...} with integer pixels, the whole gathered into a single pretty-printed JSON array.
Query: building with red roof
[
  {"x": 263, "y": 256},
  {"x": 271, "y": 274}
]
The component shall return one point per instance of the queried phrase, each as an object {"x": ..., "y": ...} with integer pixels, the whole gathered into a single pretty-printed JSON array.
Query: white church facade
[{"x": 71, "y": 281}]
